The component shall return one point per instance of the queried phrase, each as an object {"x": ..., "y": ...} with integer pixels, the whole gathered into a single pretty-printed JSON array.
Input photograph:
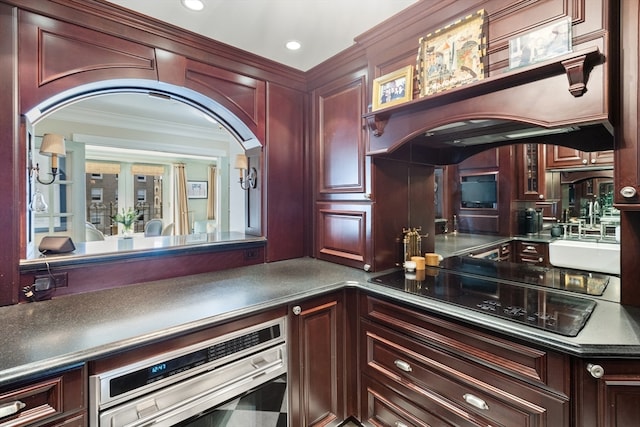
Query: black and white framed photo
[
  {"x": 542, "y": 44},
  {"x": 197, "y": 189}
]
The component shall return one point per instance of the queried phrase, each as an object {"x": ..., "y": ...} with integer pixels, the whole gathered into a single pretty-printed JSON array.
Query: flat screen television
[{"x": 479, "y": 192}]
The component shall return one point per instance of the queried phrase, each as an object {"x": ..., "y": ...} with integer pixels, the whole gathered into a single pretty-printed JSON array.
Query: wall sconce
[
  {"x": 250, "y": 180},
  {"x": 52, "y": 146}
]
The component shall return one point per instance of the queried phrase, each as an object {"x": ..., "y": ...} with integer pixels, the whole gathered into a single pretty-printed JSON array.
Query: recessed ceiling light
[
  {"x": 293, "y": 45},
  {"x": 193, "y": 4}
]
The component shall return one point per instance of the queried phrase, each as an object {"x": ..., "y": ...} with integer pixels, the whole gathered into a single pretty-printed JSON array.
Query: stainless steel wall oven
[{"x": 220, "y": 382}]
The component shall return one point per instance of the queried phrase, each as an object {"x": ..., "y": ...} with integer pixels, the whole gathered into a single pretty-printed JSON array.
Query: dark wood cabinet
[
  {"x": 607, "y": 392},
  {"x": 532, "y": 253},
  {"x": 316, "y": 362},
  {"x": 342, "y": 206},
  {"x": 417, "y": 366},
  {"x": 566, "y": 157},
  {"x": 57, "y": 399},
  {"x": 530, "y": 160}
]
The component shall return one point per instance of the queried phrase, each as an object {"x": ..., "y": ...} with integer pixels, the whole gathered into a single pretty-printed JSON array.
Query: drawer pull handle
[
  {"x": 475, "y": 401},
  {"x": 400, "y": 424},
  {"x": 11, "y": 408},
  {"x": 596, "y": 371},
  {"x": 402, "y": 365}
]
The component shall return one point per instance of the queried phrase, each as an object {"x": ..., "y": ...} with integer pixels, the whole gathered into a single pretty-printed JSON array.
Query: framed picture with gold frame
[
  {"x": 452, "y": 56},
  {"x": 393, "y": 88}
]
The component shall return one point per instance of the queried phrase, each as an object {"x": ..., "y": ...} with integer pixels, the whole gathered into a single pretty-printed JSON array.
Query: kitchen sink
[{"x": 587, "y": 255}]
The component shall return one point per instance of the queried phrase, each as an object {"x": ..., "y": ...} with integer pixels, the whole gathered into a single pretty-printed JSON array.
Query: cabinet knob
[
  {"x": 475, "y": 401},
  {"x": 296, "y": 310},
  {"x": 584, "y": 161},
  {"x": 402, "y": 365},
  {"x": 596, "y": 371},
  {"x": 628, "y": 192},
  {"x": 540, "y": 259},
  {"x": 400, "y": 424},
  {"x": 593, "y": 161}
]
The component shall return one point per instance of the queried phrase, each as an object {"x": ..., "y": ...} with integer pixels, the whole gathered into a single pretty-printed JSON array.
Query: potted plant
[{"x": 127, "y": 218}]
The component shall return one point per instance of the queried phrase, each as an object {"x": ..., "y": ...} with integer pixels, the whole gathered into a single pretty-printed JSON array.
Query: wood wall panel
[
  {"x": 55, "y": 56},
  {"x": 285, "y": 174},
  {"x": 241, "y": 95},
  {"x": 341, "y": 148},
  {"x": 343, "y": 233},
  {"x": 13, "y": 204},
  {"x": 469, "y": 222},
  {"x": 86, "y": 278}
]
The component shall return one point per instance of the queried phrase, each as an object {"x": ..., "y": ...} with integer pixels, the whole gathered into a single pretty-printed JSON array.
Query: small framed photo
[
  {"x": 452, "y": 56},
  {"x": 393, "y": 88},
  {"x": 197, "y": 189},
  {"x": 542, "y": 44}
]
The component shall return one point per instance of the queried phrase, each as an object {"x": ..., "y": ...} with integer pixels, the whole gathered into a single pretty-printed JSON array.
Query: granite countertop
[{"x": 46, "y": 335}]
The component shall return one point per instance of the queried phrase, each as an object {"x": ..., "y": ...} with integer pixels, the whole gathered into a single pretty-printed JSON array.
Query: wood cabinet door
[
  {"x": 602, "y": 158},
  {"x": 566, "y": 157},
  {"x": 531, "y": 169},
  {"x": 607, "y": 393},
  {"x": 316, "y": 373},
  {"x": 562, "y": 157},
  {"x": 340, "y": 137}
]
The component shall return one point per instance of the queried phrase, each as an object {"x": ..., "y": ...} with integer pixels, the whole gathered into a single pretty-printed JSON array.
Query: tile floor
[{"x": 265, "y": 406}]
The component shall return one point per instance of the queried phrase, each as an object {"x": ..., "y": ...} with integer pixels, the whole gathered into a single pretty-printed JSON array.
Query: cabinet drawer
[
  {"x": 441, "y": 380},
  {"x": 545, "y": 369},
  {"x": 47, "y": 399},
  {"x": 534, "y": 253},
  {"x": 385, "y": 406}
]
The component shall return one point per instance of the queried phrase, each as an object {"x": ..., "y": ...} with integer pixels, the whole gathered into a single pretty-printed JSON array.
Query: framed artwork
[
  {"x": 452, "y": 56},
  {"x": 197, "y": 189},
  {"x": 393, "y": 88},
  {"x": 541, "y": 44}
]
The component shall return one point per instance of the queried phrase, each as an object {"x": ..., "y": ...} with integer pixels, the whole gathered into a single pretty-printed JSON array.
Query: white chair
[
  {"x": 153, "y": 228},
  {"x": 168, "y": 230},
  {"x": 92, "y": 234}
]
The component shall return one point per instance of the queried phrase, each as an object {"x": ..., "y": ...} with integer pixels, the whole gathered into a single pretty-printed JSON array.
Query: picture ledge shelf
[{"x": 577, "y": 66}]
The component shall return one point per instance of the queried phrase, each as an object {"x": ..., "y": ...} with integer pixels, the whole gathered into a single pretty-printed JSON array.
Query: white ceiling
[{"x": 324, "y": 27}]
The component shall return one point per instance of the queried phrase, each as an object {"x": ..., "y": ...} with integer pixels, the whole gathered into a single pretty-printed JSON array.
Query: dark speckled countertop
[{"x": 46, "y": 335}]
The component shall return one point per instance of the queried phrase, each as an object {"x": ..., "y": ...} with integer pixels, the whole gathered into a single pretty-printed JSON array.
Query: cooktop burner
[
  {"x": 547, "y": 310},
  {"x": 581, "y": 282}
]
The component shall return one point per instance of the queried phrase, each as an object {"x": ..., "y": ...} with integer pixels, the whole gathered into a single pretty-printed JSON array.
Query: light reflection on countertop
[{"x": 451, "y": 244}]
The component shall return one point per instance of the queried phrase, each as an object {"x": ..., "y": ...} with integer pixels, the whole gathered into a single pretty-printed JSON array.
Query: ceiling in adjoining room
[{"x": 263, "y": 27}]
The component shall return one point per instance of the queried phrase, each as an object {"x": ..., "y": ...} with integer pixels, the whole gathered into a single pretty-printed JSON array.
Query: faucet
[{"x": 594, "y": 212}]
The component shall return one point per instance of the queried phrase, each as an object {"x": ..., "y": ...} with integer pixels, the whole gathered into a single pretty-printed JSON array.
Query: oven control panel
[{"x": 124, "y": 383}]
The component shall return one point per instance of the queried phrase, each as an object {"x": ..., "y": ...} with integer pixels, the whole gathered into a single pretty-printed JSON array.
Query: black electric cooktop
[{"x": 549, "y": 310}]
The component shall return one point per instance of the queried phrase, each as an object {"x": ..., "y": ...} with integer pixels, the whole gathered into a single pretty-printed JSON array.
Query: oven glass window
[{"x": 264, "y": 406}]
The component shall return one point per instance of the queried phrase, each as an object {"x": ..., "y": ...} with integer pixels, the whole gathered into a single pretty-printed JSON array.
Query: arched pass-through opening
[{"x": 210, "y": 108}]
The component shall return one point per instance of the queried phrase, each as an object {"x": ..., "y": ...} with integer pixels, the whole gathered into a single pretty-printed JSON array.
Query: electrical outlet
[
  {"x": 250, "y": 254},
  {"x": 51, "y": 281}
]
